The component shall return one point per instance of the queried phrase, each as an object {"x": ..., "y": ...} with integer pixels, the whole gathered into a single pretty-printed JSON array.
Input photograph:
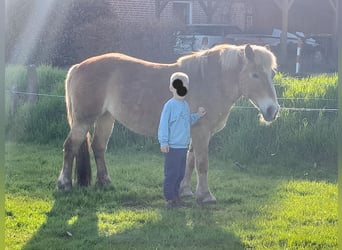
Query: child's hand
[
  {"x": 201, "y": 111},
  {"x": 165, "y": 149}
]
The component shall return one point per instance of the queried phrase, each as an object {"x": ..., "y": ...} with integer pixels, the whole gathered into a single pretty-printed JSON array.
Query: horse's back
[{"x": 131, "y": 89}]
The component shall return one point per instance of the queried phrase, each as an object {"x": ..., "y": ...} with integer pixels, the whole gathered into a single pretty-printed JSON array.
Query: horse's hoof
[
  {"x": 103, "y": 181},
  {"x": 206, "y": 199},
  {"x": 206, "y": 202},
  {"x": 186, "y": 192},
  {"x": 64, "y": 186}
]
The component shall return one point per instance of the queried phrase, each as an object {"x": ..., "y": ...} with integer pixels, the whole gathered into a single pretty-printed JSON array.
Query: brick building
[
  {"x": 259, "y": 16},
  {"x": 146, "y": 11}
]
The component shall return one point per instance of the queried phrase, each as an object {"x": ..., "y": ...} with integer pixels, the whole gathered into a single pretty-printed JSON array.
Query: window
[
  {"x": 182, "y": 11},
  {"x": 249, "y": 22}
]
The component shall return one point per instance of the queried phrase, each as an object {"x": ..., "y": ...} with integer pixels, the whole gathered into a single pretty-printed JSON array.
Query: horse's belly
[
  {"x": 137, "y": 119},
  {"x": 142, "y": 126}
]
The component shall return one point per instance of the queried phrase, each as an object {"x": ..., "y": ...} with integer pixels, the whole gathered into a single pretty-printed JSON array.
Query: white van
[{"x": 197, "y": 37}]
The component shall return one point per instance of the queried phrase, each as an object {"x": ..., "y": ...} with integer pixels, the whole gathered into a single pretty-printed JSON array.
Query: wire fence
[{"x": 12, "y": 92}]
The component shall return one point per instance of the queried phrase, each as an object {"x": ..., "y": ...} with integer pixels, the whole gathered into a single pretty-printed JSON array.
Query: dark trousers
[{"x": 174, "y": 170}]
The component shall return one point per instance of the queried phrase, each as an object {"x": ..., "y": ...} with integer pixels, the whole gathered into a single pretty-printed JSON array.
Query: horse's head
[{"x": 256, "y": 82}]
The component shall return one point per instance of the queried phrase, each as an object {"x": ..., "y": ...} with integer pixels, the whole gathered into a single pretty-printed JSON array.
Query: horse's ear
[{"x": 249, "y": 52}]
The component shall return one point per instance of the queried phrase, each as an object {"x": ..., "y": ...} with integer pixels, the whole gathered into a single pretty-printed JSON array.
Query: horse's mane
[
  {"x": 199, "y": 59},
  {"x": 230, "y": 57},
  {"x": 263, "y": 56}
]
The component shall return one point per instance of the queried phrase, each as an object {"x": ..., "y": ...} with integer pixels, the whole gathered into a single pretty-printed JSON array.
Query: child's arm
[
  {"x": 195, "y": 116},
  {"x": 163, "y": 130}
]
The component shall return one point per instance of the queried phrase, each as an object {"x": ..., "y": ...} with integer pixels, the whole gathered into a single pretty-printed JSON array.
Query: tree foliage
[{"x": 62, "y": 33}]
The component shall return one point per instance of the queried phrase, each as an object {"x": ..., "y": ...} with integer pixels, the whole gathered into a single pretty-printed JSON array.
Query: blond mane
[
  {"x": 231, "y": 57},
  {"x": 196, "y": 60},
  {"x": 263, "y": 56}
]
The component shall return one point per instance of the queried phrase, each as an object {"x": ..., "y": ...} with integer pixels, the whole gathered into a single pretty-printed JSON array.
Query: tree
[{"x": 47, "y": 31}]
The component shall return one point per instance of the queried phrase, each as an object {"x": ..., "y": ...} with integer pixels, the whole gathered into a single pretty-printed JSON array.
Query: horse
[{"x": 117, "y": 87}]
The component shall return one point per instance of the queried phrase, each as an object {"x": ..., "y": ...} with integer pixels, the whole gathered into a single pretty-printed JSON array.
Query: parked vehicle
[
  {"x": 271, "y": 40},
  {"x": 197, "y": 37}
]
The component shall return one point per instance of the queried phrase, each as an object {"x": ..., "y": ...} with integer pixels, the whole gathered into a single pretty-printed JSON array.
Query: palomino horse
[{"x": 113, "y": 87}]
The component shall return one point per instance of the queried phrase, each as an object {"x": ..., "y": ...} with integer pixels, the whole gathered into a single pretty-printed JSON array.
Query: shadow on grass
[{"x": 95, "y": 218}]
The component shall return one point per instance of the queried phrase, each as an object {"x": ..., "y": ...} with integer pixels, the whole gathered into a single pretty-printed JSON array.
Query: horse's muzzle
[{"x": 271, "y": 113}]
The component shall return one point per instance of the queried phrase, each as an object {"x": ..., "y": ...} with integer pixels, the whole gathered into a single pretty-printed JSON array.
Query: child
[{"x": 174, "y": 136}]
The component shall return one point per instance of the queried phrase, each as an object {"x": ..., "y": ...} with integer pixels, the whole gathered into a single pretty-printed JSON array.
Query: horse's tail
[
  {"x": 83, "y": 168},
  {"x": 67, "y": 93}
]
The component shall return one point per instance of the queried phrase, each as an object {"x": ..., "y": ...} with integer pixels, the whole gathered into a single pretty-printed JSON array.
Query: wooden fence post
[
  {"x": 13, "y": 101},
  {"x": 299, "y": 47},
  {"x": 32, "y": 84}
]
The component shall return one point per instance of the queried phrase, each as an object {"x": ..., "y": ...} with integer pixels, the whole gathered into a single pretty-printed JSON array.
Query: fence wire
[{"x": 34, "y": 94}]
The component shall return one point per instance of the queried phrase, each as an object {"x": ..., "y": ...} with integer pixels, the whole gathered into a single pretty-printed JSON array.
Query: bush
[{"x": 43, "y": 121}]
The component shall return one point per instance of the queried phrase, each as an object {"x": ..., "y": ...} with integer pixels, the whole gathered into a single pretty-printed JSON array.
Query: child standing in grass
[{"x": 174, "y": 136}]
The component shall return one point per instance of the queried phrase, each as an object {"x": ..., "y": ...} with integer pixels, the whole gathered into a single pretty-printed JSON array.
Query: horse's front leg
[
  {"x": 200, "y": 144},
  {"x": 102, "y": 131},
  {"x": 185, "y": 188}
]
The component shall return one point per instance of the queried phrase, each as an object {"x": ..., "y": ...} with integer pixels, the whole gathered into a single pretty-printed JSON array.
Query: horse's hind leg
[
  {"x": 102, "y": 131},
  {"x": 71, "y": 145}
]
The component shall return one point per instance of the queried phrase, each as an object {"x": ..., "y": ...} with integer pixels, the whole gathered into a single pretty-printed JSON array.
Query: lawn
[{"x": 259, "y": 206}]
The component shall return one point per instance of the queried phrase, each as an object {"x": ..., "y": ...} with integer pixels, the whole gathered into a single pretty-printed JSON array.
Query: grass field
[{"x": 259, "y": 206}]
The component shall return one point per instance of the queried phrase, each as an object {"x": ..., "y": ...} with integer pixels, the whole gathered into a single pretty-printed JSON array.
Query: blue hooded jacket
[{"x": 175, "y": 122}]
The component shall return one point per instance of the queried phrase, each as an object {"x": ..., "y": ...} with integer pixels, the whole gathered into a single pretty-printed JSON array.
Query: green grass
[
  {"x": 308, "y": 87},
  {"x": 259, "y": 206}
]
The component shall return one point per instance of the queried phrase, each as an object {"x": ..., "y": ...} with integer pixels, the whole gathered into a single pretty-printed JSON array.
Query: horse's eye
[{"x": 255, "y": 75}]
